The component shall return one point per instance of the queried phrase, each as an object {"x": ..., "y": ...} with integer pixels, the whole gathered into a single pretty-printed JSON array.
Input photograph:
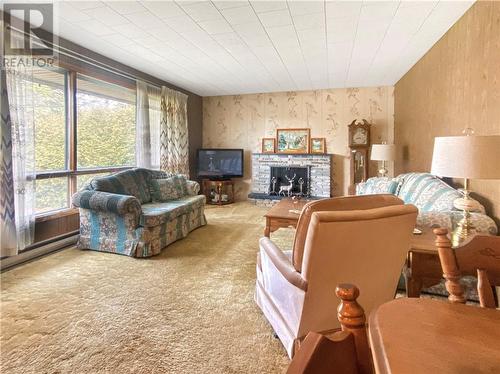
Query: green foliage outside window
[
  {"x": 105, "y": 137},
  {"x": 50, "y": 127},
  {"x": 106, "y": 132}
]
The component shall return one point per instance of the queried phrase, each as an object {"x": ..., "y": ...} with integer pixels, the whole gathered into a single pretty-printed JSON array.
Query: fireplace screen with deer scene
[{"x": 289, "y": 181}]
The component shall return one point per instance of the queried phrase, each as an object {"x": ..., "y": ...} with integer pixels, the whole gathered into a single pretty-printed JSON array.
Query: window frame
[{"x": 72, "y": 171}]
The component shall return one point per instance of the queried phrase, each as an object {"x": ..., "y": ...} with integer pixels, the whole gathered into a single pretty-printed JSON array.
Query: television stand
[{"x": 218, "y": 191}]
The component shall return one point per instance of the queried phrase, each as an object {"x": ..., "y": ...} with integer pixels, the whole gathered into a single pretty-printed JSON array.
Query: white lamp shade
[
  {"x": 474, "y": 157},
  {"x": 383, "y": 152}
]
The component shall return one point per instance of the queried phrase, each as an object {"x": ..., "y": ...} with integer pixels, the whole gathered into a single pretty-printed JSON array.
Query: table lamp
[
  {"x": 467, "y": 157},
  {"x": 383, "y": 152}
]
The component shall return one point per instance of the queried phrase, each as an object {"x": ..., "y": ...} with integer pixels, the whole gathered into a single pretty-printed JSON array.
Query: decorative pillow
[
  {"x": 380, "y": 185},
  {"x": 172, "y": 188}
]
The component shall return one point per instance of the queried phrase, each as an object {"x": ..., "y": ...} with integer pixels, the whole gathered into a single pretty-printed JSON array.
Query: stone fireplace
[{"x": 312, "y": 170}]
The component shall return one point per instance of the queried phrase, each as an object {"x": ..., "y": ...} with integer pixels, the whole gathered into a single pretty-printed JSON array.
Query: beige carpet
[{"x": 188, "y": 310}]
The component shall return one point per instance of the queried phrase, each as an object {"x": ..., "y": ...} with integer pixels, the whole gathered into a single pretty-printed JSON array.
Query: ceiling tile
[
  {"x": 378, "y": 10},
  {"x": 298, "y": 7},
  {"x": 81, "y": 5},
  {"x": 126, "y": 7},
  {"x": 145, "y": 20},
  {"x": 341, "y": 30},
  {"x": 118, "y": 40},
  {"x": 343, "y": 9},
  {"x": 275, "y": 18},
  {"x": 268, "y": 6},
  {"x": 71, "y": 14},
  {"x": 417, "y": 3},
  {"x": 163, "y": 9},
  {"x": 130, "y": 30},
  {"x": 239, "y": 15},
  {"x": 183, "y": 24},
  {"x": 223, "y": 4},
  {"x": 107, "y": 16},
  {"x": 309, "y": 21},
  {"x": 282, "y": 32},
  {"x": 218, "y": 26},
  {"x": 201, "y": 11},
  {"x": 312, "y": 36},
  {"x": 96, "y": 27}
]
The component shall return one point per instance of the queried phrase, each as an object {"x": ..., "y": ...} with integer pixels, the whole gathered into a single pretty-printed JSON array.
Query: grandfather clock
[{"x": 359, "y": 143}]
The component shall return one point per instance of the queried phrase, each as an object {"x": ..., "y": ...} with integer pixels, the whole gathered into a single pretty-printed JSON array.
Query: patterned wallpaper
[{"x": 241, "y": 121}]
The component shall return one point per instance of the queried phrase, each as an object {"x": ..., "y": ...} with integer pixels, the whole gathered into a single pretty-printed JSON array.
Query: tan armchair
[{"x": 356, "y": 239}]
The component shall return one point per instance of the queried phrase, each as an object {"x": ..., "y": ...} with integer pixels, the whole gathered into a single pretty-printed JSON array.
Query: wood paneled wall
[{"x": 454, "y": 86}]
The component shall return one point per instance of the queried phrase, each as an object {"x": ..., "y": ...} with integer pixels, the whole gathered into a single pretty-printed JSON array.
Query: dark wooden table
[
  {"x": 432, "y": 336},
  {"x": 219, "y": 187},
  {"x": 280, "y": 215}
]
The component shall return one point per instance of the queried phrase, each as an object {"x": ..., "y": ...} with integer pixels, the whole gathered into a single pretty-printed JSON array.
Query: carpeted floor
[{"x": 188, "y": 310}]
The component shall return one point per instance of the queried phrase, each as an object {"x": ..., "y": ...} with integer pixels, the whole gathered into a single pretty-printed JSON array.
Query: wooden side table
[
  {"x": 423, "y": 268},
  {"x": 214, "y": 190}
]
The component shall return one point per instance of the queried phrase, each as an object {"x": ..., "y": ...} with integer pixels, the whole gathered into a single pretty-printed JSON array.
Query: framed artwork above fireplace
[
  {"x": 318, "y": 145},
  {"x": 268, "y": 145},
  {"x": 293, "y": 140}
]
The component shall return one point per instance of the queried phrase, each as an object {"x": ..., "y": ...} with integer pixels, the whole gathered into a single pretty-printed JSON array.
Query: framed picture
[
  {"x": 293, "y": 140},
  {"x": 318, "y": 145},
  {"x": 268, "y": 145}
]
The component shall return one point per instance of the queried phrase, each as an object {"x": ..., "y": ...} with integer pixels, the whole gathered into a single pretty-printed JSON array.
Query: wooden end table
[
  {"x": 219, "y": 188},
  {"x": 280, "y": 215},
  {"x": 423, "y": 268}
]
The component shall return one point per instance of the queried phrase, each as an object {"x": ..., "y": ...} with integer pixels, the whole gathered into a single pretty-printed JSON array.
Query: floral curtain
[
  {"x": 148, "y": 117},
  {"x": 17, "y": 178},
  {"x": 174, "y": 146}
]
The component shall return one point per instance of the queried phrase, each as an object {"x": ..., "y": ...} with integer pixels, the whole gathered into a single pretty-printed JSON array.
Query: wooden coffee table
[{"x": 279, "y": 216}]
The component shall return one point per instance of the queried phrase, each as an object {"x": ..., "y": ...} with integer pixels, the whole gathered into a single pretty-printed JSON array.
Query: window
[
  {"x": 51, "y": 194},
  {"x": 50, "y": 112},
  {"x": 106, "y": 124},
  {"x": 50, "y": 119},
  {"x": 104, "y": 140},
  {"x": 84, "y": 179}
]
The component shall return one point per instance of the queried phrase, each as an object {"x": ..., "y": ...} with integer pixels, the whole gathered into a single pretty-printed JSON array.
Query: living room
[{"x": 250, "y": 186}]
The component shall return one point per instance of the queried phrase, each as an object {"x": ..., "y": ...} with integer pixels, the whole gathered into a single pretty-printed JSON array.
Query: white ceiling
[{"x": 236, "y": 47}]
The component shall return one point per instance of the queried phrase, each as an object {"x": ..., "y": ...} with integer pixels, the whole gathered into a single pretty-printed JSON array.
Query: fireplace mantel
[{"x": 320, "y": 171}]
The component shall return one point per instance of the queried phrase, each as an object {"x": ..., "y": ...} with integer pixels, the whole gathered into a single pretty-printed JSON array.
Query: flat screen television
[{"x": 216, "y": 163}]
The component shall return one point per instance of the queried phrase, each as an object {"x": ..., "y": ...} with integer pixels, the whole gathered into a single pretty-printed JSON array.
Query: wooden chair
[
  {"x": 343, "y": 352},
  {"x": 479, "y": 257}
]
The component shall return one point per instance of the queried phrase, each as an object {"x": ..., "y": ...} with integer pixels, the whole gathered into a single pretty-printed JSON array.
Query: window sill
[{"x": 49, "y": 216}]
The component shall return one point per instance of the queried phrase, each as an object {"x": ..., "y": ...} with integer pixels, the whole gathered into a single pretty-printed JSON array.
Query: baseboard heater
[{"x": 42, "y": 250}]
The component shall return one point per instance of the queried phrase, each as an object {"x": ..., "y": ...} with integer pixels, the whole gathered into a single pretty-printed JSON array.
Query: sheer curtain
[
  {"x": 174, "y": 147},
  {"x": 154, "y": 94},
  {"x": 17, "y": 179},
  {"x": 148, "y": 116},
  {"x": 7, "y": 210}
]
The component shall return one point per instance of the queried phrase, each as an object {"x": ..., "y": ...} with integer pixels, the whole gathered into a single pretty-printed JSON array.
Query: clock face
[{"x": 360, "y": 136}]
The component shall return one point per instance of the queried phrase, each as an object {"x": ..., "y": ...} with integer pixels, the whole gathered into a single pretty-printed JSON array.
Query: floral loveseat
[
  {"x": 138, "y": 212},
  {"x": 433, "y": 198}
]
